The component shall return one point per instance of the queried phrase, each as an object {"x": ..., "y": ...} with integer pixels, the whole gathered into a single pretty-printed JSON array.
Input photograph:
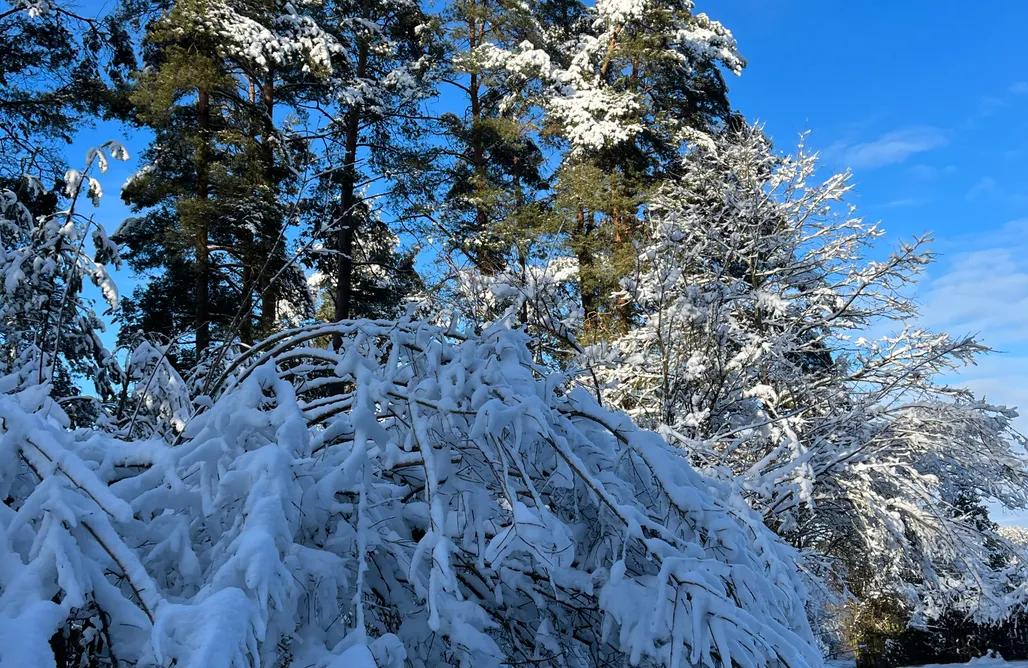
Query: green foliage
[
  {"x": 491, "y": 168},
  {"x": 218, "y": 176}
]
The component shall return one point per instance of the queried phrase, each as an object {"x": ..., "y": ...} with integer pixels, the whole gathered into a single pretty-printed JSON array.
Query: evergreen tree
[
  {"x": 620, "y": 91},
  {"x": 382, "y": 274},
  {"x": 371, "y": 111},
  {"x": 175, "y": 234},
  {"x": 59, "y": 70},
  {"x": 219, "y": 170},
  {"x": 624, "y": 93},
  {"x": 490, "y": 166}
]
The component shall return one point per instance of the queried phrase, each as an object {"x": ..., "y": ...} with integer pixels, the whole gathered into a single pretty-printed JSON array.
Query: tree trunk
[
  {"x": 624, "y": 256},
  {"x": 270, "y": 232},
  {"x": 203, "y": 262},
  {"x": 249, "y": 258},
  {"x": 485, "y": 257},
  {"x": 347, "y": 202},
  {"x": 585, "y": 269}
]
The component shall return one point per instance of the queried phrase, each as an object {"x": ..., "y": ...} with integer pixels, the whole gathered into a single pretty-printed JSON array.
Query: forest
[{"x": 477, "y": 333}]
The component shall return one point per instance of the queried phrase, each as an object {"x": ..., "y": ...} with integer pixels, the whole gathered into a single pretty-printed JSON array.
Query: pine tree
[
  {"x": 491, "y": 168},
  {"x": 371, "y": 111},
  {"x": 220, "y": 170},
  {"x": 623, "y": 97},
  {"x": 59, "y": 71},
  {"x": 174, "y": 188},
  {"x": 620, "y": 91},
  {"x": 382, "y": 274}
]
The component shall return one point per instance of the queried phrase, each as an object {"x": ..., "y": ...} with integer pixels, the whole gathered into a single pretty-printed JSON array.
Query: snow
[
  {"x": 592, "y": 111},
  {"x": 275, "y": 36},
  {"x": 988, "y": 660}
]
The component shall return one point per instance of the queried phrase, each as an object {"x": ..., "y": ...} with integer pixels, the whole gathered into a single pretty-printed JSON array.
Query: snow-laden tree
[
  {"x": 756, "y": 295},
  {"x": 1014, "y": 533},
  {"x": 622, "y": 87},
  {"x": 154, "y": 399},
  {"x": 641, "y": 74},
  {"x": 414, "y": 498},
  {"x": 490, "y": 169},
  {"x": 48, "y": 329}
]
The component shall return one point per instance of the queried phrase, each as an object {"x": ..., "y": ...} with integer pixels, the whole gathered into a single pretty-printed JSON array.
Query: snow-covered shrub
[
  {"x": 155, "y": 399},
  {"x": 415, "y": 498}
]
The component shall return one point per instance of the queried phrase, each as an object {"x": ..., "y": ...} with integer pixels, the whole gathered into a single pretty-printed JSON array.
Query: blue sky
[{"x": 927, "y": 102}]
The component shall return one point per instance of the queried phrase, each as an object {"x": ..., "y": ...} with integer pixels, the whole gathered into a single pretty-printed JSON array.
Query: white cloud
[
  {"x": 903, "y": 202},
  {"x": 1018, "y": 88},
  {"x": 982, "y": 288},
  {"x": 983, "y": 187},
  {"x": 924, "y": 172},
  {"x": 990, "y": 104},
  {"x": 891, "y": 148},
  {"x": 984, "y": 291},
  {"x": 987, "y": 189},
  {"x": 928, "y": 172}
]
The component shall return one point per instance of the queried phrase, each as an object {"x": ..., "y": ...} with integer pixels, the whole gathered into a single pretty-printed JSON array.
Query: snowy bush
[{"x": 416, "y": 498}]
